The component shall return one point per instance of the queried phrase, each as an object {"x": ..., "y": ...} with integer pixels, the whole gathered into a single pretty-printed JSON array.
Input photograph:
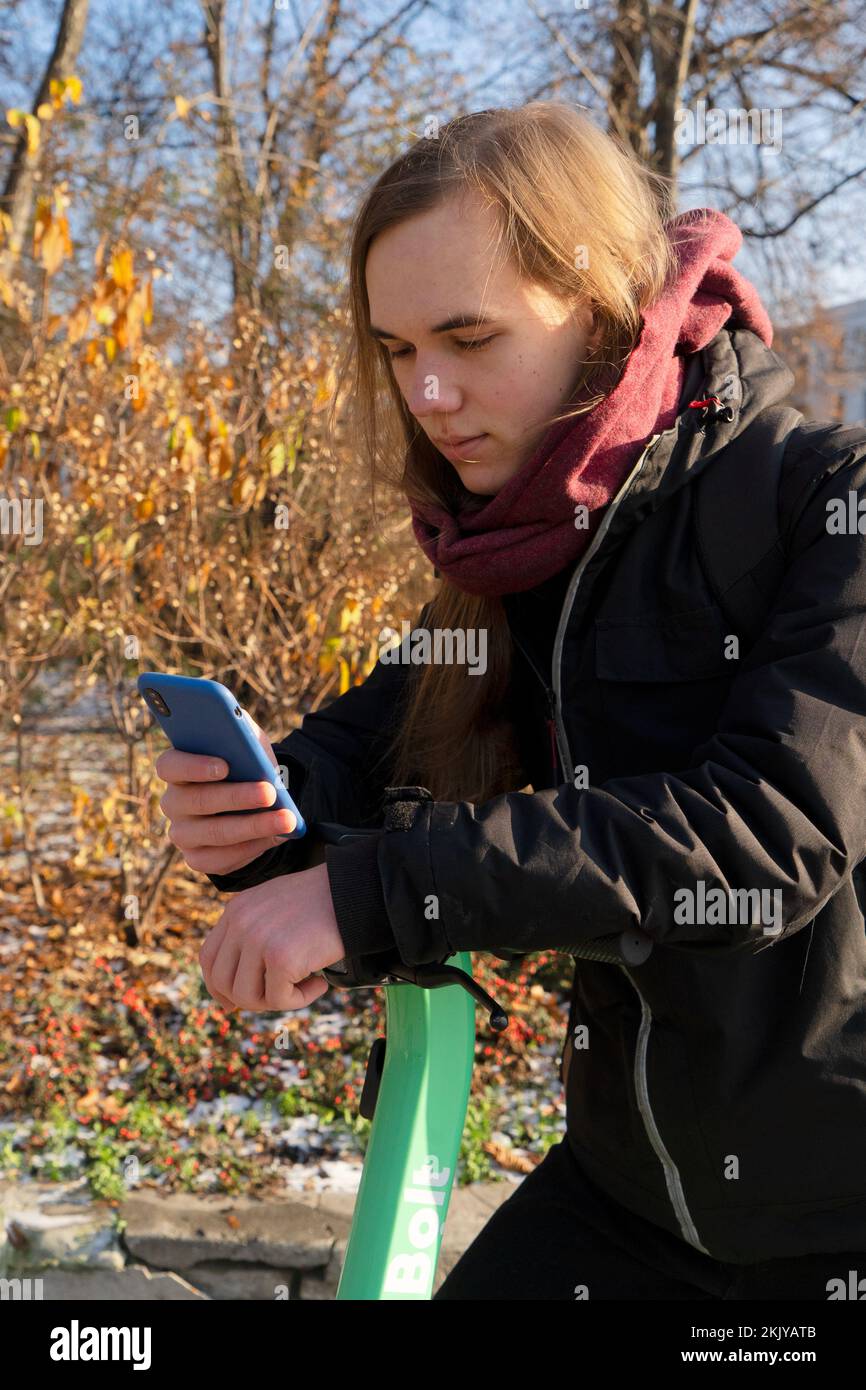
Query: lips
[{"x": 455, "y": 443}]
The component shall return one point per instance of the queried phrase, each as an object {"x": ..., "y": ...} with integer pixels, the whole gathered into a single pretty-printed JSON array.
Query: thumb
[{"x": 262, "y": 738}]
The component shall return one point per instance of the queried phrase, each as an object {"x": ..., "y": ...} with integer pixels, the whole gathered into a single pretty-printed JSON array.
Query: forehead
[
  {"x": 447, "y": 258},
  {"x": 450, "y": 261}
]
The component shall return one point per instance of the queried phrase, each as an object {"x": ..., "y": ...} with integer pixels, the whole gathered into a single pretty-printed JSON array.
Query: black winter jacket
[{"x": 718, "y": 1089}]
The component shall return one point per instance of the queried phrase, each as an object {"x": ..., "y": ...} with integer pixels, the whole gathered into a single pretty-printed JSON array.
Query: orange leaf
[
  {"x": 78, "y": 321},
  {"x": 121, "y": 270},
  {"x": 51, "y": 240}
]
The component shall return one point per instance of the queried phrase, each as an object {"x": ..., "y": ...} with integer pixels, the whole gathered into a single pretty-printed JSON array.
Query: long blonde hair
[{"x": 578, "y": 214}]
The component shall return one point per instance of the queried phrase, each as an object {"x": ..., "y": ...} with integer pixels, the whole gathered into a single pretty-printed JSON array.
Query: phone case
[{"x": 205, "y": 717}]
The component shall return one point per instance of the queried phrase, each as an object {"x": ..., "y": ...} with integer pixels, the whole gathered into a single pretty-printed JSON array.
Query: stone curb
[{"x": 179, "y": 1246}]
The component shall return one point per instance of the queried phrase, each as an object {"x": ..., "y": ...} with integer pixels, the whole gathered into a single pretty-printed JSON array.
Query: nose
[{"x": 431, "y": 393}]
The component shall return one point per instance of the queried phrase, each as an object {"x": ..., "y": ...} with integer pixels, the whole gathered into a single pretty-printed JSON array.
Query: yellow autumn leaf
[
  {"x": 62, "y": 87},
  {"x": 181, "y": 106},
  {"x": 345, "y": 675},
  {"x": 51, "y": 240},
  {"x": 33, "y": 128},
  {"x": 276, "y": 457},
  {"x": 110, "y": 348},
  {"x": 145, "y": 509},
  {"x": 45, "y": 110},
  {"x": 192, "y": 452},
  {"x": 78, "y": 321},
  {"x": 350, "y": 614},
  {"x": 225, "y": 460},
  {"x": 243, "y": 488},
  {"x": 134, "y": 314},
  {"x": 121, "y": 270},
  {"x": 16, "y": 118}
]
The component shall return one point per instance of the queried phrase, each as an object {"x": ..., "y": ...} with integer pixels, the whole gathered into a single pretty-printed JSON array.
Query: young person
[{"x": 533, "y": 332}]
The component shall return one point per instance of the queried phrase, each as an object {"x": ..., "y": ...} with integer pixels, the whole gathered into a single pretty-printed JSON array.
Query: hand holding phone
[{"x": 226, "y": 800}]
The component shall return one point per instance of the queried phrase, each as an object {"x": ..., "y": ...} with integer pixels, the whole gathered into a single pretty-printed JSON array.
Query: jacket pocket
[{"x": 667, "y": 647}]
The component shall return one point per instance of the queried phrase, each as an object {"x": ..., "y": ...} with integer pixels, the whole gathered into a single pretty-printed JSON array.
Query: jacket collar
[{"x": 746, "y": 376}]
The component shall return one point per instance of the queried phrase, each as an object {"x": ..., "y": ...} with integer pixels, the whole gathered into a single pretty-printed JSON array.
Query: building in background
[{"x": 828, "y": 359}]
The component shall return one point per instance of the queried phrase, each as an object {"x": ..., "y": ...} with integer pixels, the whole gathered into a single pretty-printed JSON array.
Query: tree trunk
[{"x": 19, "y": 193}]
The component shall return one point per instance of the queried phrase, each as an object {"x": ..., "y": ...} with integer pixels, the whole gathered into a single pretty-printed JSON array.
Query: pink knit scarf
[{"x": 526, "y": 533}]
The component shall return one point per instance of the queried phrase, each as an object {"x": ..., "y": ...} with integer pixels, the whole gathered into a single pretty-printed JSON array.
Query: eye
[
  {"x": 473, "y": 344},
  {"x": 468, "y": 345}
]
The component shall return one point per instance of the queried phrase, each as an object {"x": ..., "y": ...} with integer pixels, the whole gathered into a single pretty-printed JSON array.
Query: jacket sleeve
[
  {"x": 775, "y": 800},
  {"x": 337, "y": 769}
]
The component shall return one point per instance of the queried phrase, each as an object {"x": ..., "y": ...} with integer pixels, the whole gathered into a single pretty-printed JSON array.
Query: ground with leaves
[{"x": 115, "y": 1060}]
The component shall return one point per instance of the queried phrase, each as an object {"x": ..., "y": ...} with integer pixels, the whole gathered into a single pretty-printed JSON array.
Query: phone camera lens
[
  {"x": 239, "y": 712},
  {"x": 154, "y": 698}
]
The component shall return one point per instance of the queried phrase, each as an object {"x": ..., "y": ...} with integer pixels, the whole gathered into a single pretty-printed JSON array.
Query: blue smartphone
[{"x": 203, "y": 716}]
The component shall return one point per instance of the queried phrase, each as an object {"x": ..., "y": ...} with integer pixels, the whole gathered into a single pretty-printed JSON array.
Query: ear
[{"x": 589, "y": 321}]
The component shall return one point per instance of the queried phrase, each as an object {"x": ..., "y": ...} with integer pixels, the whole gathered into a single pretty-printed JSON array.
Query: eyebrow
[{"x": 474, "y": 320}]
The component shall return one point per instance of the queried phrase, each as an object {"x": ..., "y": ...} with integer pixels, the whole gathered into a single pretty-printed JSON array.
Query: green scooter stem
[{"x": 411, "y": 1157}]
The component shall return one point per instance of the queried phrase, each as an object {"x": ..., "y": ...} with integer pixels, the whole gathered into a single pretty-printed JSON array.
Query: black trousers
[{"x": 558, "y": 1233}]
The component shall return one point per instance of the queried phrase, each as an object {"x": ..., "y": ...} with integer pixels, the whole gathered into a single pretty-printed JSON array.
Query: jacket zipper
[
  {"x": 671, "y": 1172},
  {"x": 568, "y": 603},
  {"x": 554, "y": 721}
]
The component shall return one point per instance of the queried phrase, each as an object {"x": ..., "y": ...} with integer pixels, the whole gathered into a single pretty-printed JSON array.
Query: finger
[
  {"x": 172, "y": 765},
  {"x": 262, "y": 738},
  {"x": 211, "y": 944},
  {"x": 228, "y": 1005},
  {"x": 200, "y": 832},
  {"x": 282, "y": 995},
  {"x": 224, "y": 966},
  {"x": 214, "y": 861},
  {"x": 199, "y": 799},
  {"x": 248, "y": 984}
]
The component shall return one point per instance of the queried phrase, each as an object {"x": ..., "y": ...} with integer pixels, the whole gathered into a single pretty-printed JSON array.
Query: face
[{"x": 477, "y": 353}]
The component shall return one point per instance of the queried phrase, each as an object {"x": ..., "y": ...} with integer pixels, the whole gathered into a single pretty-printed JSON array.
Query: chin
[{"x": 477, "y": 479}]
